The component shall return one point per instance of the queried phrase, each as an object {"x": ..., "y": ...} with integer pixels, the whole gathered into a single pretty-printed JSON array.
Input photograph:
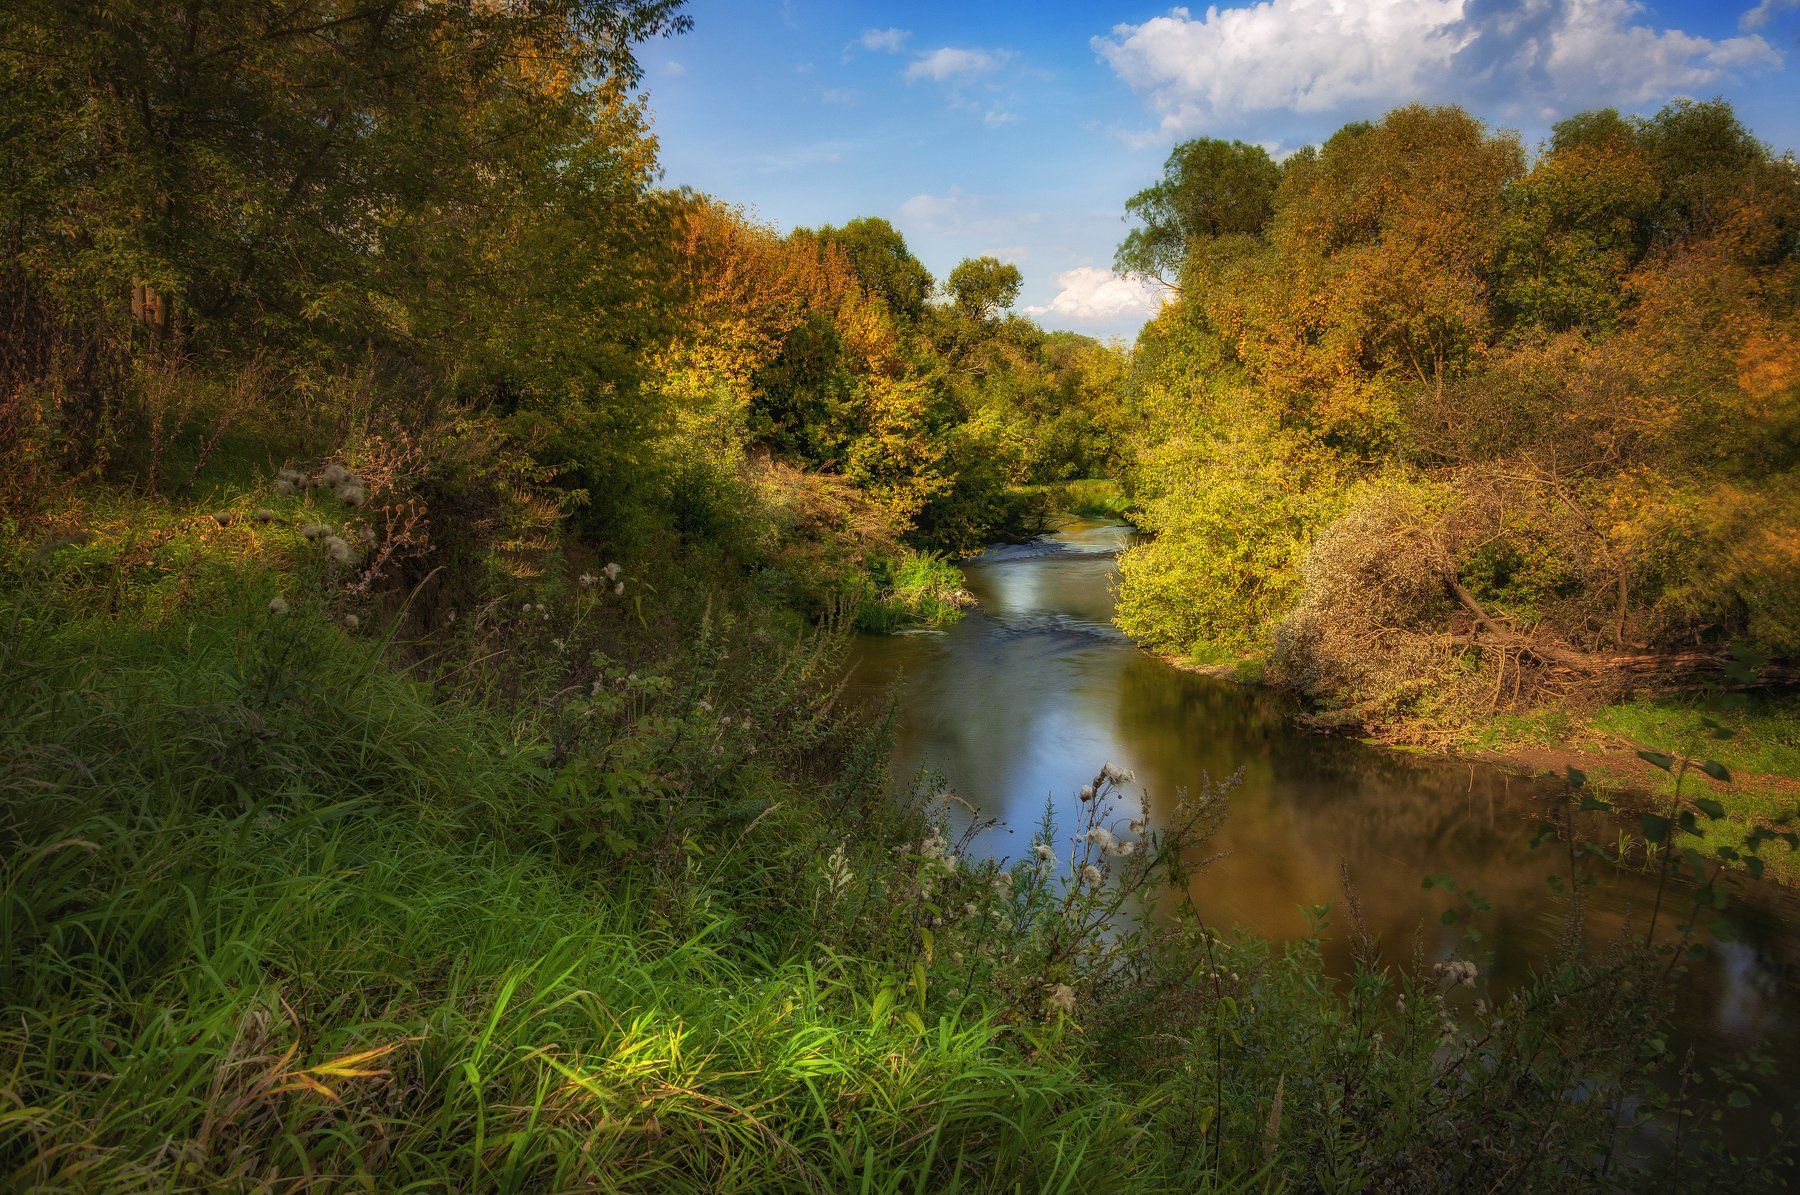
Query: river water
[{"x": 1024, "y": 699}]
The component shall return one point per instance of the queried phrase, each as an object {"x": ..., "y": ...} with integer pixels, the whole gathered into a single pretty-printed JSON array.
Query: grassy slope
[{"x": 282, "y": 907}]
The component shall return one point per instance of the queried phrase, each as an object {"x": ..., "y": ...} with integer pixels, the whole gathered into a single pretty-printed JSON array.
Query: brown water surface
[{"x": 1025, "y": 698}]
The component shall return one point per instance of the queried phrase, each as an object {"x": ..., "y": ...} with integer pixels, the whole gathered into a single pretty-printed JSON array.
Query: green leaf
[
  {"x": 1656, "y": 827},
  {"x": 1660, "y": 759},
  {"x": 1576, "y": 777},
  {"x": 1439, "y": 881},
  {"x": 1709, "y": 807},
  {"x": 1449, "y": 917},
  {"x": 1589, "y": 801},
  {"x": 1716, "y": 770}
]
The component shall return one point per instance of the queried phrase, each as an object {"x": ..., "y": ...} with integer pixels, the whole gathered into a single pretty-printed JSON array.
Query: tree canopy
[
  {"x": 1209, "y": 188},
  {"x": 984, "y": 286}
]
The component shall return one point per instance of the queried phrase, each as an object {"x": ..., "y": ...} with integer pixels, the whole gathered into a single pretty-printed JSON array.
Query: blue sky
[{"x": 1020, "y": 129}]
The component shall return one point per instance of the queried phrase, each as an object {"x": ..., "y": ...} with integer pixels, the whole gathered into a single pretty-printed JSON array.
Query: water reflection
[{"x": 1022, "y": 701}]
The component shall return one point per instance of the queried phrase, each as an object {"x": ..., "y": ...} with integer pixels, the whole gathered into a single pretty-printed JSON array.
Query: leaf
[
  {"x": 1709, "y": 807},
  {"x": 1716, "y": 770},
  {"x": 1449, "y": 917},
  {"x": 1591, "y": 802},
  {"x": 1576, "y": 777},
  {"x": 1656, "y": 827},
  {"x": 1438, "y": 881},
  {"x": 1659, "y": 758}
]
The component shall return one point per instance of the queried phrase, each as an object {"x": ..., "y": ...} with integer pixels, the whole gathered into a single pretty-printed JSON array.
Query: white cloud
[
  {"x": 841, "y": 96},
  {"x": 951, "y": 63},
  {"x": 957, "y": 212},
  {"x": 674, "y": 68},
  {"x": 1310, "y": 57},
  {"x": 799, "y": 157},
  {"x": 1759, "y": 17},
  {"x": 952, "y": 212},
  {"x": 1089, "y": 294},
  {"x": 884, "y": 41}
]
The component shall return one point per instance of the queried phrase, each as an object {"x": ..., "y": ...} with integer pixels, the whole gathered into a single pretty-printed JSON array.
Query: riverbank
[
  {"x": 584, "y": 887},
  {"x": 1756, "y": 745}
]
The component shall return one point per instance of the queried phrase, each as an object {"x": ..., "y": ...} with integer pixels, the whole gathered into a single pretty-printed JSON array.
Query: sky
[{"x": 1020, "y": 129}]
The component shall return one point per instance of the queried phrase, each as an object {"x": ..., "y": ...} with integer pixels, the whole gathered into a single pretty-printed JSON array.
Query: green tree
[
  {"x": 1209, "y": 188},
  {"x": 983, "y": 287},
  {"x": 226, "y": 163},
  {"x": 883, "y": 264}
]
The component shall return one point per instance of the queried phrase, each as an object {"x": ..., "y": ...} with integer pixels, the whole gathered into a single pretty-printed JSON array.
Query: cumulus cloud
[
  {"x": 1760, "y": 16},
  {"x": 950, "y": 63},
  {"x": 1208, "y": 73},
  {"x": 1088, "y": 294},
  {"x": 884, "y": 41}
]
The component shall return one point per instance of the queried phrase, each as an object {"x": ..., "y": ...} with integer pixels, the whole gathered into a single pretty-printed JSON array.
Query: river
[{"x": 1023, "y": 700}]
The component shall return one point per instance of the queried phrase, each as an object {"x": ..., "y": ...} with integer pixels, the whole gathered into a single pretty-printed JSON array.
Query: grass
[
  {"x": 279, "y": 905},
  {"x": 918, "y": 589},
  {"x": 1755, "y": 737},
  {"x": 547, "y": 914}
]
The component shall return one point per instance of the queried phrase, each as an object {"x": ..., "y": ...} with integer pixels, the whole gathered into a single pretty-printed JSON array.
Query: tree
[
  {"x": 223, "y": 163},
  {"x": 984, "y": 286},
  {"x": 1209, "y": 188},
  {"x": 882, "y": 263}
]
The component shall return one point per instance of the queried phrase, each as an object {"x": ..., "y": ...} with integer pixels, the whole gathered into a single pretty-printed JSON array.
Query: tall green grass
[
  {"x": 918, "y": 589},
  {"x": 271, "y": 910}
]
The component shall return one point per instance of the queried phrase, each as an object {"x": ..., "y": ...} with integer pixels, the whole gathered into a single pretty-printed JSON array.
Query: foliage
[
  {"x": 1588, "y": 365},
  {"x": 983, "y": 286},
  {"x": 1209, "y": 189},
  {"x": 884, "y": 265}
]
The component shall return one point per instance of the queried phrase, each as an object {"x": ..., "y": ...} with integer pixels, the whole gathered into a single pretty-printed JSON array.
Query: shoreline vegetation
[
  {"x": 1457, "y": 441},
  {"x": 427, "y": 546}
]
